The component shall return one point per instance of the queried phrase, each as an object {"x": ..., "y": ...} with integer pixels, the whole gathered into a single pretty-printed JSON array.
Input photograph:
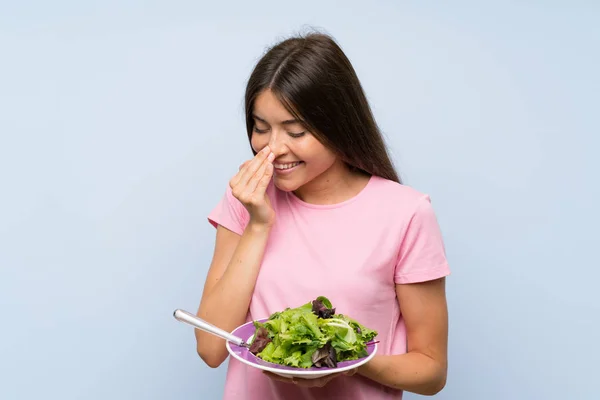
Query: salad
[{"x": 312, "y": 335}]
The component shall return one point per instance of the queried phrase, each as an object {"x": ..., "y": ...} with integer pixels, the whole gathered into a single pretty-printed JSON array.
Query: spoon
[{"x": 199, "y": 323}]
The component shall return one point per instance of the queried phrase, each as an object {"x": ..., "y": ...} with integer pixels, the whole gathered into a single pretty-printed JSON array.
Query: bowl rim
[{"x": 292, "y": 371}]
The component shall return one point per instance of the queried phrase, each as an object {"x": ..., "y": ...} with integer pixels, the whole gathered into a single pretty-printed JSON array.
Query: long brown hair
[{"x": 317, "y": 84}]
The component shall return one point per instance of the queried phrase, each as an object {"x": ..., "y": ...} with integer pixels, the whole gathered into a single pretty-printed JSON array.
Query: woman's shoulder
[
  {"x": 400, "y": 204},
  {"x": 384, "y": 190}
]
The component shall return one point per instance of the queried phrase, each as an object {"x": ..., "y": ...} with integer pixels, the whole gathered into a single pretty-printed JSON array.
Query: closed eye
[{"x": 292, "y": 134}]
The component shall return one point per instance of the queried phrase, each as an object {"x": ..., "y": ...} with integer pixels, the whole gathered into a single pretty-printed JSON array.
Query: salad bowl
[
  {"x": 242, "y": 353},
  {"x": 310, "y": 341}
]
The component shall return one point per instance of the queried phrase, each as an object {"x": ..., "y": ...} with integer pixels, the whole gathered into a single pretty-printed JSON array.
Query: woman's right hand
[{"x": 249, "y": 186}]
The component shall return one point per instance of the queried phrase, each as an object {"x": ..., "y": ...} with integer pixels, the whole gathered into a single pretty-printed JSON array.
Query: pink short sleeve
[
  {"x": 229, "y": 213},
  {"x": 422, "y": 256}
]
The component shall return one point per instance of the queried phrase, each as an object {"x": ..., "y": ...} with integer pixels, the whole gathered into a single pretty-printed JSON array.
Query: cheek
[
  {"x": 318, "y": 158},
  {"x": 258, "y": 142},
  {"x": 323, "y": 162}
]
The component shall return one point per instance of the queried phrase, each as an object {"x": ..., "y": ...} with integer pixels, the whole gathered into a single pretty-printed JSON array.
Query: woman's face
[{"x": 299, "y": 157}]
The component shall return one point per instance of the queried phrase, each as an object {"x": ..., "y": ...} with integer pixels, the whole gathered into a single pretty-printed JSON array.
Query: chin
[{"x": 285, "y": 185}]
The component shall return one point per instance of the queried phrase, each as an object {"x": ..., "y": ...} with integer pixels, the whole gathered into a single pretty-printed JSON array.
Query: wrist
[{"x": 259, "y": 227}]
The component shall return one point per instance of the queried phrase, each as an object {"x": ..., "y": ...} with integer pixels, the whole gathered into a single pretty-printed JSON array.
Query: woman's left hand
[{"x": 318, "y": 382}]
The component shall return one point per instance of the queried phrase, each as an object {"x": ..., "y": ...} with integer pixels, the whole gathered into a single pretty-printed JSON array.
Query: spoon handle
[{"x": 199, "y": 323}]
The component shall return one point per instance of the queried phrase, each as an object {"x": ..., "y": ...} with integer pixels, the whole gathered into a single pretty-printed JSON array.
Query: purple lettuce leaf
[
  {"x": 261, "y": 340},
  {"x": 322, "y": 308},
  {"x": 325, "y": 356}
]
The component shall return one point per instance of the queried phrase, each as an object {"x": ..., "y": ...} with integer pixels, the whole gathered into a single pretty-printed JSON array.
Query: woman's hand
[
  {"x": 318, "y": 382},
  {"x": 249, "y": 186}
]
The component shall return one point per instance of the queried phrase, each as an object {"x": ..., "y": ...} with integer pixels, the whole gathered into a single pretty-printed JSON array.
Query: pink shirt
[{"x": 353, "y": 253}]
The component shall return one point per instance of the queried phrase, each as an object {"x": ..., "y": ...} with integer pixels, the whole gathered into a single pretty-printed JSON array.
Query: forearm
[
  {"x": 412, "y": 372},
  {"x": 226, "y": 305}
]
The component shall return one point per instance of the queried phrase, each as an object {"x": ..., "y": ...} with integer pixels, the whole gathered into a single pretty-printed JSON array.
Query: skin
[{"x": 320, "y": 178}]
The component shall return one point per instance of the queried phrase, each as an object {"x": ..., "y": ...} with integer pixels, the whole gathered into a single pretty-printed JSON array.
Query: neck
[{"x": 335, "y": 185}]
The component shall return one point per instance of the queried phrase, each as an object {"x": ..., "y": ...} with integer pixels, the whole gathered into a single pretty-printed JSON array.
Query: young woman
[{"x": 320, "y": 210}]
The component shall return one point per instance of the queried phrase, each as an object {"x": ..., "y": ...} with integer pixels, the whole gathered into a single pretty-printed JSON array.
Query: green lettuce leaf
[{"x": 311, "y": 335}]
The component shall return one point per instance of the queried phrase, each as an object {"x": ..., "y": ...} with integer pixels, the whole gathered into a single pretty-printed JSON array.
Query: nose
[{"x": 277, "y": 143}]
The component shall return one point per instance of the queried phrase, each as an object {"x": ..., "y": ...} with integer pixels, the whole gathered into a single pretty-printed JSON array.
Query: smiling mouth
[{"x": 282, "y": 167}]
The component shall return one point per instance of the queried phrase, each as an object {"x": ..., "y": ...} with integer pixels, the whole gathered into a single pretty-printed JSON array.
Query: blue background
[{"x": 121, "y": 123}]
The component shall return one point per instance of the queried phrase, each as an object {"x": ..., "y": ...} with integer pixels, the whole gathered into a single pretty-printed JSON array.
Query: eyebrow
[{"x": 286, "y": 122}]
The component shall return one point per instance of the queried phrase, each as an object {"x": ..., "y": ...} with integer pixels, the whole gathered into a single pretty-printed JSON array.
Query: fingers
[
  {"x": 244, "y": 164},
  {"x": 253, "y": 166},
  {"x": 321, "y": 382},
  {"x": 318, "y": 382},
  {"x": 249, "y": 168},
  {"x": 263, "y": 174},
  {"x": 253, "y": 174},
  {"x": 279, "y": 378},
  {"x": 264, "y": 180}
]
